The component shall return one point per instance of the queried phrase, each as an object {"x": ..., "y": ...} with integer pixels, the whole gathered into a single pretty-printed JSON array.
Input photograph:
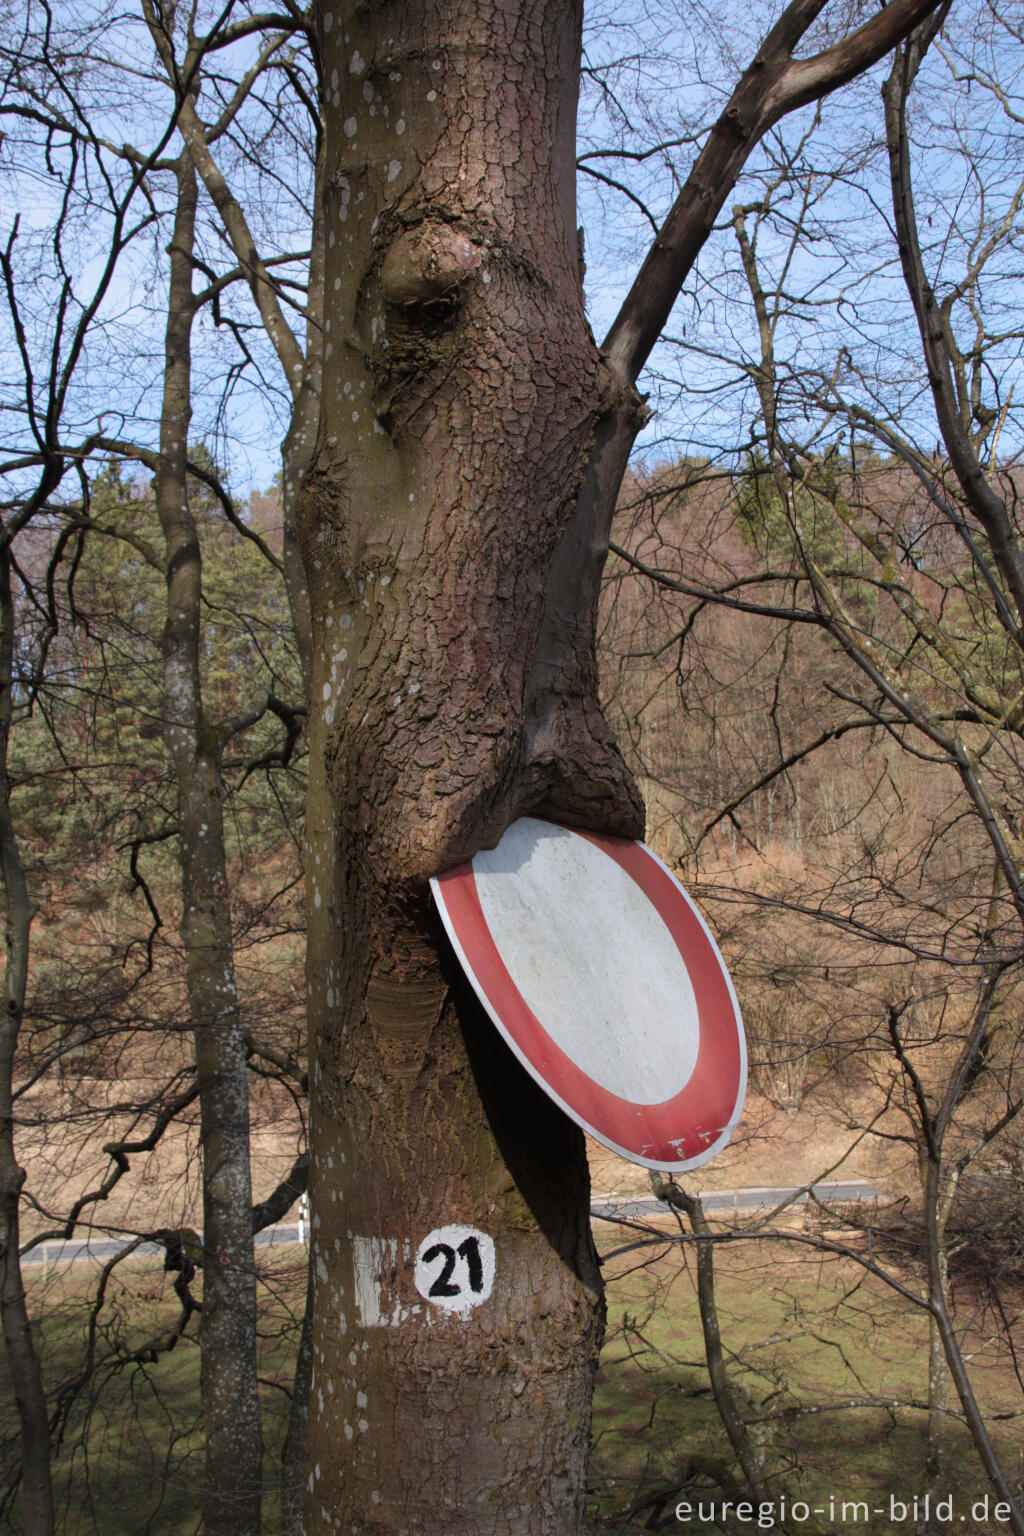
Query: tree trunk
[
  {"x": 230, "y": 1395},
  {"x": 935, "y": 1479},
  {"x": 462, "y": 394},
  {"x": 293, "y": 1455},
  {"x": 726, "y": 1401},
  {"x": 299, "y": 442},
  {"x": 22, "y": 1359}
]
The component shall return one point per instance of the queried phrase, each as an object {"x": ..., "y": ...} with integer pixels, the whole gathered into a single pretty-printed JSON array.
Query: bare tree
[
  {"x": 39, "y": 466},
  {"x": 904, "y": 559},
  {"x": 232, "y": 1485},
  {"x": 472, "y": 444},
  {"x": 23, "y": 1358}
]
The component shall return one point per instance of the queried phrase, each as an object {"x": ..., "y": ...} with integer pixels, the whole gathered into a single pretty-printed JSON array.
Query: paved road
[
  {"x": 101, "y": 1248},
  {"x": 608, "y": 1208},
  {"x": 604, "y": 1208}
]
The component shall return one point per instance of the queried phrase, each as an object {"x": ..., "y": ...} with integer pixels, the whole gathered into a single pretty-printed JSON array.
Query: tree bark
[
  {"x": 293, "y": 1456},
  {"x": 462, "y": 392},
  {"x": 22, "y": 1358},
  {"x": 729, "y": 1410},
  {"x": 299, "y": 443},
  {"x": 229, "y": 1382}
]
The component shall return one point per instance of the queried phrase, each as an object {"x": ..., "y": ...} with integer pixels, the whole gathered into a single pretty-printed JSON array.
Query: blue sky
[{"x": 655, "y": 75}]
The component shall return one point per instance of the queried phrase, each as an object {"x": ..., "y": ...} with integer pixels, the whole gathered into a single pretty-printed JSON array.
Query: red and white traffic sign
[{"x": 602, "y": 976}]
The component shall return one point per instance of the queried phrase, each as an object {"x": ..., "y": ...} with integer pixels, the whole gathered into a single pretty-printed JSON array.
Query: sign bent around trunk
[{"x": 604, "y": 980}]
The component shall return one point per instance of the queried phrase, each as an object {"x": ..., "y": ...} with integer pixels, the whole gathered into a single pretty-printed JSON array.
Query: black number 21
[{"x": 468, "y": 1250}]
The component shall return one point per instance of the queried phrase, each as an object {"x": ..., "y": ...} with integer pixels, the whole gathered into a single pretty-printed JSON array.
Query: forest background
[{"x": 810, "y": 645}]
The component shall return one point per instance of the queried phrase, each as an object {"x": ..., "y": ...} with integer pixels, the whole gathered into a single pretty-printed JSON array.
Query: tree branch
[{"x": 773, "y": 85}]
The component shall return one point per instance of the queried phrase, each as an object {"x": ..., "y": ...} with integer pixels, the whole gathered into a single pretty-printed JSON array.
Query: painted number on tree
[{"x": 455, "y": 1268}]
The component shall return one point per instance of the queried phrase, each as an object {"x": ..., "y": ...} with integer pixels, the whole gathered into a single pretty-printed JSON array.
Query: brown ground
[
  {"x": 771, "y": 1147},
  {"x": 774, "y": 1147}
]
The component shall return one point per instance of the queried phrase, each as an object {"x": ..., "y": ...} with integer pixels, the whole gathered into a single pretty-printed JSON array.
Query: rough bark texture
[
  {"x": 22, "y": 1359},
  {"x": 231, "y": 1413},
  {"x": 462, "y": 394},
  {"x": 299, "y": 442},
  {"x": 293, "y": 1455}
]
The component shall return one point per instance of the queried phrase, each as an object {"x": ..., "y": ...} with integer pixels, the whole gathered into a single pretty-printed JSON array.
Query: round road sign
[{"x": 602, "y": 976}]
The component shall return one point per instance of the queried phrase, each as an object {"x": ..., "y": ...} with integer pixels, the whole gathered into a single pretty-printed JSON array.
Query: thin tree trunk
[
  {"x": 729, "y": 1410},
  {"x": 938, "y": 1192},
  {"x": 299, "y": 444},
  {"x": 991, "y": 513},
  {"x": 22, "y": 1357},
  {"x": 935, "y": 1482},
  {"x": 302, "y": 371},
  {"x": 230, "y": 1395},
  {"x": 303, "y": 375},
  {"x": 938, "y": 1188},
  {"x": 297, "y": 452},
  {"x": 294, "y": 1454}
]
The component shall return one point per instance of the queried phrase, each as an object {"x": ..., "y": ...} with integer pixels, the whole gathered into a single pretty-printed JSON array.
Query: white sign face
[
  {"x": 628, "y": 1020},
  {"x": 455, "y": 1268},
  {"x": 604, "y": 980}
]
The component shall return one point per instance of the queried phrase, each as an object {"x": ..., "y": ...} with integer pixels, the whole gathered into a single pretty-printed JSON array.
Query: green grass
[
  {"x": 129, "y": 1459},
  {"x": 825, "y": 1362},
  {"x": 823, "y": 1359}
]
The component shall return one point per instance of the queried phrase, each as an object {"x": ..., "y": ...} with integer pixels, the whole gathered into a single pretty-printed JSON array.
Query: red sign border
[{"x": 679, "y": 1133}]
